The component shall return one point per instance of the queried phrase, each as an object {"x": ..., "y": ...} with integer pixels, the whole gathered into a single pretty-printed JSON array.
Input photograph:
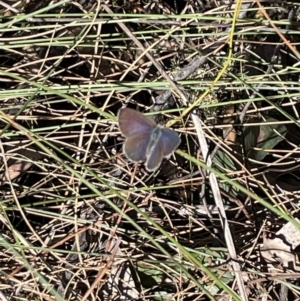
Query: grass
[{"x": 79, "y": 221}]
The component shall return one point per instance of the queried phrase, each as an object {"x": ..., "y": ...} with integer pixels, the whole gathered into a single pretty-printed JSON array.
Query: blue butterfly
[{"x": 146, "y": 141}]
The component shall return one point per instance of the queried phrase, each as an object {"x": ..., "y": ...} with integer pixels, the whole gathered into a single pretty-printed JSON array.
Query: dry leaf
[{"x": 280, "y": 248}]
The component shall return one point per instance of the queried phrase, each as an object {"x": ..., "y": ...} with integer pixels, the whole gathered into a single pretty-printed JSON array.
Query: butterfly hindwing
[{"x": 135, "y": 147}]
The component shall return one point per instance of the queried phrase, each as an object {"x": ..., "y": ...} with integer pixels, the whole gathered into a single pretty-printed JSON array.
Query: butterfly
[{"x": 146, "y": 141}]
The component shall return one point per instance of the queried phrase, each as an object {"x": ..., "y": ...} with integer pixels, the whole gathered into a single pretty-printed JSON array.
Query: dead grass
[{"x": 80, "y": 222}]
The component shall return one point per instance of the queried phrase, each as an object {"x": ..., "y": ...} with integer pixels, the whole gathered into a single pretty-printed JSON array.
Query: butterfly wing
[
  {"x": 135, "y": 147},
  {"x": 132, "y": 122},
  {"x": 169, "y": 140}
]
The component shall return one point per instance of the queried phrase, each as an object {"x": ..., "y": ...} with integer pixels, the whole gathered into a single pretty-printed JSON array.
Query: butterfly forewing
[
  {"x": 169, "y": 140},
  {"x": 132, "y": 122},
  {"x": 135, "y": 147}
]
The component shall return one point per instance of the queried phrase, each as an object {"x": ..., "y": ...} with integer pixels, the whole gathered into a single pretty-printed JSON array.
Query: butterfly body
[
  {"x": 154, "y": 137},
  {"x": 145, "y": 140}
]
